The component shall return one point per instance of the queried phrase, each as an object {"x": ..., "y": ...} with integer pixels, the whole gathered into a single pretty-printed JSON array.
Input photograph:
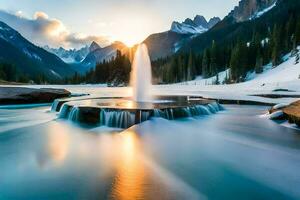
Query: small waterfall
[
  {"x": 125, "y": 119},
  {"x": 65, "y": 111},
  {"x": 74, "y": 114},
  {"x": 54, "y": 107},
  {"x": 141, "y": 76},
  {"x": 197, "y": 110},
  {"x": 119, "y": 119}
]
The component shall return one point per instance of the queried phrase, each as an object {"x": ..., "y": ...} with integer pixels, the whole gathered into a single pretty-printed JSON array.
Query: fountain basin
[{"x": 124, "y": 113}]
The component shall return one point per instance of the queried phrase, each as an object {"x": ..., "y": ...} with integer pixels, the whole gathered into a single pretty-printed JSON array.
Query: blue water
[{"x": 235, "y": 154}]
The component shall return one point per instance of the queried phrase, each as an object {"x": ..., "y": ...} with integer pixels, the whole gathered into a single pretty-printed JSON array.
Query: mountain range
[
  {"x": 71, "y": 55},
  {"x": 192, "y": 34},
  {"x": 166, "y": 43},
  {"x": 197, "y": 26}
]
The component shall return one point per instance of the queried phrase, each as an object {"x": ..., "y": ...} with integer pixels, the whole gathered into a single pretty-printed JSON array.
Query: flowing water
[
  {"x": 141, "y": 75},
  {"x": 235, "y": 154}
]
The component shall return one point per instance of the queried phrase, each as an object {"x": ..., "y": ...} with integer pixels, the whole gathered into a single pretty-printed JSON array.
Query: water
[
  {"x": 234, "y": 154},
  {"x": 141, "y": 75},
  {"x": 125, "y": 118}
]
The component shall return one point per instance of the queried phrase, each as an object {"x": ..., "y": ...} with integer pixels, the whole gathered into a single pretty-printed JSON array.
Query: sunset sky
[{"x": 73, "y": 23}]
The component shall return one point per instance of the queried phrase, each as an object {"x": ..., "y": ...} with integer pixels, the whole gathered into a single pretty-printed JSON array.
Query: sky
[{"x": 74, "y": 23}]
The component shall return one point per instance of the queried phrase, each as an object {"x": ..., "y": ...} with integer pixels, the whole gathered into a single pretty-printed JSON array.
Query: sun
[
  {"x": 132, "y": 29},
  {"x": 130, "y": 42}
]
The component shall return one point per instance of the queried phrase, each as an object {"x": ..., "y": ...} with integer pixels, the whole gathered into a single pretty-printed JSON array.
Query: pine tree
[
  {"x": 297, "y": 33},
  {"x": 276, "y": 46},
  {"x": 259, "y": 63},
  {"x": 191, "y": 73},
  {"x": 297, "y": 59},
  {"x": 238, "y": 62},
  {"x": 213, "y": 60},
  {"x": 205, "y": 64},
  {"x": 217, "y": 79}
]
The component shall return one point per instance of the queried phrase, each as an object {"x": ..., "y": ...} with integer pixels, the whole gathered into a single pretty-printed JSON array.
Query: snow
[
  {"x": 177, "y": 46},
  {"x": 187, "y": 28},
  {"x": 69, "y": 60},
  {"x": 276, "y": 115},
  {"x": 284, "y": 76},
  {"x": 281, "y": 105},
  {"x": 32, "y": 55},
  {"x": 209, "y": 81},
  {"x": 54, "y": 73},
  {"x": 261, "y": 13}
]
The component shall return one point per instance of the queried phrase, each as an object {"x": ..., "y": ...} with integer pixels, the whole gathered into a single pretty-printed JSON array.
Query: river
[{"x": 235, "y": 153}]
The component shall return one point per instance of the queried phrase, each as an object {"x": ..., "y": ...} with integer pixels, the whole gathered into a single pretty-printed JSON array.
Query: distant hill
[{"x": 29, "y": 59}]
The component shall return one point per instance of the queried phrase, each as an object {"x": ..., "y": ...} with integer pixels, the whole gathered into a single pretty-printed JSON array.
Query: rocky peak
[
  {"x": 94, "y": 46},
  {"x": 197, "y": 26},
  {"x": 247, "y": 8},
  {"x": 199, "y": 20},
  {"x": 213, "y": 21}
]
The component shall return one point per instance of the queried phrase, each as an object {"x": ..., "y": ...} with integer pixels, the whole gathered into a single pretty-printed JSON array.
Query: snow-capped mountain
[
  {"x": 71, "y": 55},
  {"x": 197, "y": 26},
  {"x": 29, "y": 58},
  {"x": 250, "y": 9}
]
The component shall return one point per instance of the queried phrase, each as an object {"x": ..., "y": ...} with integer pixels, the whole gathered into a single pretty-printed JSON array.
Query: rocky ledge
[
  {"x": 23, "y": 95},
  {"x": 290, "y": 112}
]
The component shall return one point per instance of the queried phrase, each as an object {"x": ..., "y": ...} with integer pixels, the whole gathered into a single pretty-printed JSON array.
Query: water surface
[{"x": 235, "y": 154}]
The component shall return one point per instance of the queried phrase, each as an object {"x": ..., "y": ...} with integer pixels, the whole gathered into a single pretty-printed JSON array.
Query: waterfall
[
  {"x": 125, "y": 119},
  {"x": 141, "y": 76}
]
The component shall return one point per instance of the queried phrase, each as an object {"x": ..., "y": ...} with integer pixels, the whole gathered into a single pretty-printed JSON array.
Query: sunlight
[
  {"x": 59, "y": 142},
  {"x": 130, "y": 177},
  {"x": 132, "y": 29}
]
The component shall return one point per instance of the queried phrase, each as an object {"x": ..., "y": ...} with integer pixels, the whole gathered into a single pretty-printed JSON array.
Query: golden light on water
[
  {"x": 130, "y": 177},
  {"x": 59, "y": 143}
]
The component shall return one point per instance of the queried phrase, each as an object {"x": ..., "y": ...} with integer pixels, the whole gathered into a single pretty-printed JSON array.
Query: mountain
[
  {"x": 164, "y": 44},
  {"x": 248, "y": 9},
  {"x": 99, "y": 54},
  {"x": 94, "y": 46},
  {"x": 263, "y": 15},
  {"x": 71, "y": 55},
  {"x": 28, "y": 58},
  {"x": 197, "y": 26}
]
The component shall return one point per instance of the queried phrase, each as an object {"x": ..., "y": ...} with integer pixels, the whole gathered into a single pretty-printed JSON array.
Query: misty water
[{"x": 235, "y": 153}]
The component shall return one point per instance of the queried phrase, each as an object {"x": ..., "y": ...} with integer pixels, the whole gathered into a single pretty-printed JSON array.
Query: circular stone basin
[{"x": 123, "y": 112}]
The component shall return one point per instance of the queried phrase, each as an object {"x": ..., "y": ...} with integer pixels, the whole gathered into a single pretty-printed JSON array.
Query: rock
[
  {"x": 293, "y": 112},
  {"x": 278, "y": 115},
  {"x": 23, "y": 95}
]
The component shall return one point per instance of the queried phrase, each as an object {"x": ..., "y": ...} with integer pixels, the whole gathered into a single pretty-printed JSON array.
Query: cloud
[{"x": 43, "y": 30}]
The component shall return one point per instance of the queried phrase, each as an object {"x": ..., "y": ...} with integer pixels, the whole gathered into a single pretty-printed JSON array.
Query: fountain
[
  {"x": 141, "y": 75},
  {"x": 142, "y": 106}
]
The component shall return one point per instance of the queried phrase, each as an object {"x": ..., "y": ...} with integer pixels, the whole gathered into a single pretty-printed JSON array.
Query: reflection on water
[
  {"x": 223, "y": 156},
  {"x": 130, "y": 170},
  {"x": 58, "y": 143}
]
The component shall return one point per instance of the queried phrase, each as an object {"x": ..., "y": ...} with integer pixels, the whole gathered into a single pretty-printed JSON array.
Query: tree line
[
  {"x": 240, "y": 56},
  {"x": 114, "y": 72}
]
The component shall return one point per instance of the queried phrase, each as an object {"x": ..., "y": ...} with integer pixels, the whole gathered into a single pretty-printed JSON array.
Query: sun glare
[{"x": 131, "y": 29}]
